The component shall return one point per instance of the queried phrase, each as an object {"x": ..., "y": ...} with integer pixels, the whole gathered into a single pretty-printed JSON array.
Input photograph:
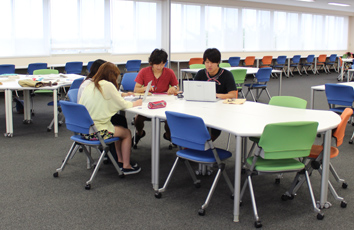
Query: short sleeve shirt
[
  {"x": 161, "y": 84},
  {"x": 224, "y": 83}
]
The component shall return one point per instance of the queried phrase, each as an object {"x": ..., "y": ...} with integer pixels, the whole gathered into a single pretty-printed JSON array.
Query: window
[
  {"x": 23, "y": 29},
  {"x": 136, "y": 27}
]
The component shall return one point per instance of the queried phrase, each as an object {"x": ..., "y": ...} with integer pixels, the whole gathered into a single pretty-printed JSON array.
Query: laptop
[
  {"x": 199, "y": 90},
  {"x": 135, "y": 98}
]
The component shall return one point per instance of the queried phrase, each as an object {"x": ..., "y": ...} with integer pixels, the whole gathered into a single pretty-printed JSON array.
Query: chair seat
[
  {"x": 82, "y": 140},
  {"x": 281, "y": 165},
  {"x": 317, "y": 149},
  {"x": 256, "y": 85},
  {"x": 203, "y": 156}
]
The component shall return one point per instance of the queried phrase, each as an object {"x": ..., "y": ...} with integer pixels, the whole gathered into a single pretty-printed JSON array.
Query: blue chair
[
  {"x": 262, "y": 76},
  {"x": 280, "y": 64},
  {"x": 308, "y": 64},
  {"x": 132, "y": 66},
  {"x": 7, "y": 69},
  {"x": 72, "y": 95},
  {"x": 35, "y": 66},
  {"x": 234, "y": 61},
  {"x": 195, "y": 145},
  {"x": 339, "y": 95},
  {"x": 73, "y": 67},
  {"x": 128, "y": 81},
  {"x": 331, "y": 62},
  {"x": 295, "y": 64},
  {"x": 88, "y": 67},
  {"x": 79, "y": 121}
]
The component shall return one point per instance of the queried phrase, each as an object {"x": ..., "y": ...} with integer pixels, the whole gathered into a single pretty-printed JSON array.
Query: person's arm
[
  {"x": 173, "y": 90},
  {"x": 231, "y": 94}
]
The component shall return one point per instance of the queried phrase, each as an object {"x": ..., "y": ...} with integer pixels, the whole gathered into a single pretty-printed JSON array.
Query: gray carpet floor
[{"x": 30, "y": 198}]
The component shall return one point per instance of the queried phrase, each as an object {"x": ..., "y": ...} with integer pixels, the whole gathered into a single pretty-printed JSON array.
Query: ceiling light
[
  {"x": 305, "y": 0},
  {"x": 337, "y": 4}
]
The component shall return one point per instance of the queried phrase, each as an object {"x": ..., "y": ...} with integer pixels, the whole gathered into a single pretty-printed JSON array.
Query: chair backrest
[
  {"x": 288, "y": 139},
  {"x": 195, "y": 61},
  {"x": 74, "y": 67},
  {"x": 296, "y": 59},
  {"x": 234, "y": 61},
  {"x": 281, "y": 60},
  {"x": 310, "y": 58},
  {"x": 288, "y": 101},
  {"x": 339, "y": 132},
  {"x": 187, "y": 131},
  {"x": 333, "y": 57},
  {"x": 322, "y": 58},
  {"x": 133, "y": 65},
  {"x": 34, "y": 66},
  {"x": 267, "y": 60},
  {"x": 263, "y": 74},
  {"x": 239, "y": 75},
  {"x": 249, "y": 60},
  {"x": 76, "y": 83},
  {"x": 7, "y": 69},
  {"x": 338, "y": 94},
  {"x": 197, "y": 66},
  {"x": 72, "y": 95},
  {"x": 45, "y": 71},
  {"x": 128, "y": 81},
  {"x": 224, "y": 64},
  {"x": 89, "y": 64},
  {"x": 77, "y": 118}
]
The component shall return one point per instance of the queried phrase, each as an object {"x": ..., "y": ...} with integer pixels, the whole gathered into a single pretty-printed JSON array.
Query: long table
[
  {"x": 250, "y": 70},
  {"x": 11, "y": 84},
  {"x": 242, "y": 121}
]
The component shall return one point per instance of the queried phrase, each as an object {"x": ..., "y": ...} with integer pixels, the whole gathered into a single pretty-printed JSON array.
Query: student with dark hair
[
  {"x": 224, "y": 80},
  {"x": 94, "y": 67},
  {"x": 163, "y": 81},
  {"x": 102, "y": 99}
]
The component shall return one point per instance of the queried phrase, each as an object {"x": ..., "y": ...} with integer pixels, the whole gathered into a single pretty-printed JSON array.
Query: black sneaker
[
  {"x": 137, "y": 138},
  {"x": 133, "y": 164},
  {"x": 132, "y": 170}
]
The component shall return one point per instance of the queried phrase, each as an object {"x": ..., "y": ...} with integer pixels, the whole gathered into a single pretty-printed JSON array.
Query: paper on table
[{"x": 235, "y": 101}]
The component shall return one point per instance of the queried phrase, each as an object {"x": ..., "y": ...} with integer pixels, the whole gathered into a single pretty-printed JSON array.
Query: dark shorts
[{"x": 119, "y": 120}]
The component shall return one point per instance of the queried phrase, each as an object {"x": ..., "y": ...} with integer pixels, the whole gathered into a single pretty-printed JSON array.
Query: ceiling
[{"x": 318, "y": 4}]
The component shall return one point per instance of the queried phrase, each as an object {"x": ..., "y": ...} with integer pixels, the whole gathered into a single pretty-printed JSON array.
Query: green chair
[
  {"x": 281, "y": 144},
  {"x": 224, "y": 65},
  {"x": 239, "y": 77},
  {"x": 284, "y": 101}
]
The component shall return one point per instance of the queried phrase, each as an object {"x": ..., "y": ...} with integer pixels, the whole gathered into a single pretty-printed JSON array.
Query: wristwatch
[{"x": 175, "y": 86}]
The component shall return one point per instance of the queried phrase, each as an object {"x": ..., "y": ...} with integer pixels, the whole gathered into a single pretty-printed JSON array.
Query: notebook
[
  {"x": 199, "y": 90},
  {"x": 148, "y": 87}
]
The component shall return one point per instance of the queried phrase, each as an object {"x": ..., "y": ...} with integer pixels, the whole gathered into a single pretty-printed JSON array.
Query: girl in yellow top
[{"x": 101, "y": 98}]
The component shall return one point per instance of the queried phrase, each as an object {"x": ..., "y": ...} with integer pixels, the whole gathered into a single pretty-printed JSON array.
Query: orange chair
[
  {"x": 316, "y": 156},
  {"x": 345, "y": 70},
  {"x": 195, "y": 61},
  {"x": 266, "y": 61},
  {"x": 321, "y": 63},
  {"x": 249, "y": 61}
]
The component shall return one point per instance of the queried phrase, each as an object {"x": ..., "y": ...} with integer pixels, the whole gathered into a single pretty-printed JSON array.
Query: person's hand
[
  {"x": 171, "y": 90},
  {"x": 137, "y": 102}
]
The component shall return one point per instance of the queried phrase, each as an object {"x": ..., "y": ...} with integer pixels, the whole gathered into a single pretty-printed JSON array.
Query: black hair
[
  {"x": 157, "y": 57},
  {"x": 213, "y": 55},
  {"x": 94, "y": 67}
]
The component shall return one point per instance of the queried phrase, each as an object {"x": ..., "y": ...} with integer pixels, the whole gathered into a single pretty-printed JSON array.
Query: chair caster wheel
[
  {"x": 170, "y": 147},
  {"x": 277, "y": 181},
  {"x": 201, "y": 212},
  {"x": 56, "y": 174},
  {"x": 284, "y": 197},
  {"x": 81, "y": 150},
  {"x": 49, "y": 129},
  {"x": 197, "y": 185},
  {"x": 258, "y": 224},
  {"x": 319, "y": 135},
  {"x": 320, "y": 216},
  {"x": 88, "y": 186},
  {"x": 243, "y": 171},
  {"x": 121, "y": 175},
  {"x": 350, "y": 142},
  {"x": 158, "y": 195},
  {"x": 232, "y": 196},
  {"x": 344, "y": 185},
  {"x": 135, "y": 146},
  {"x": 343, "y": 204}
]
